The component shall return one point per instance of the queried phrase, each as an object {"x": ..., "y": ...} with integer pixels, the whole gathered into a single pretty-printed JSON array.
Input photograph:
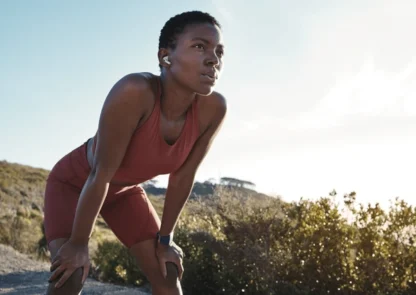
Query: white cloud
[
  {"x": 364, "y": 60},
  {"x": 370, "y": 92}
]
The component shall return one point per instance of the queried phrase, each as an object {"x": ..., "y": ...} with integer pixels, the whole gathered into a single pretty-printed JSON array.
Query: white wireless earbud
[{"x": 166, "y": 60}]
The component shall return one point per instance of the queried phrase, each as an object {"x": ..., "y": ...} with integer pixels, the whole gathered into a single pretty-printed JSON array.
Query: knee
[
  {"x": 172, "y": 277},
  {"x": 168, "y": 284},
  {"x": 72, "y": 286}
]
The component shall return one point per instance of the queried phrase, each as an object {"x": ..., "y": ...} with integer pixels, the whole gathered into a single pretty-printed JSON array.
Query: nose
[{"x": 213, "y": 59}]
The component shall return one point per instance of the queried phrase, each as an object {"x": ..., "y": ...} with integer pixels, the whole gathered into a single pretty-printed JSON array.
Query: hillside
[
  {"x": 21, "y": 212},
  {"x": 22, "y": 186},
  {"x": 21, "y": 230}
]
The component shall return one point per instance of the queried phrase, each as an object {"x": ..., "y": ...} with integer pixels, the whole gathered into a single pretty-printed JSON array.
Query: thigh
[
  {"x": 59, "y": 209},
  {"x": 135, "y": 222},
  {"x": 62, "y": 192},
  {"x": 131, "y": 216}
]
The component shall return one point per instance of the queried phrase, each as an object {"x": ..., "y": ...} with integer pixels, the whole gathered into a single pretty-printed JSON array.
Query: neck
[{"x": 176, "y": 99}]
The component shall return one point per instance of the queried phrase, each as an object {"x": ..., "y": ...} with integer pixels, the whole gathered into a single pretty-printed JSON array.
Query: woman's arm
[
  {"x": 121, "y": 113},
  {"x": 181, "y": 181}
]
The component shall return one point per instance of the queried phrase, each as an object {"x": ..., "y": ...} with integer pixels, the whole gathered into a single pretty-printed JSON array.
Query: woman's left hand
[{"x": 172, "y": 253}]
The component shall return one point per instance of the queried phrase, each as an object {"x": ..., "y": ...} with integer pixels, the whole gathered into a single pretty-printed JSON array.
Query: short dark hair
[{"x": 176, "y": 25}]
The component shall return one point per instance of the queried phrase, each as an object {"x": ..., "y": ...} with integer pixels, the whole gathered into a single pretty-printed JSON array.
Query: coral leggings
[{"x": 126, "y": 210}]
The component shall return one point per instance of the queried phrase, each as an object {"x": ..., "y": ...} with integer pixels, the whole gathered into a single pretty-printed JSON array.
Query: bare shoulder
[
  {"x": 132, "y": 94},
  {"x": 215, "y": 101},
  {"x": 212, "y": 109},
  {"x": 134, "y": 85}
]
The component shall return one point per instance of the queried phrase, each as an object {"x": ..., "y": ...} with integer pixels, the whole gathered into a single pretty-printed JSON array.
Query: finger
[
  {"x": 85, "y": 273},
  {"x": 179, "y": 251},
  {"x": 64, "y": 277},
  {"x": 55, "y": 265},
  {"x": 181, "y": 270},
  {"x": 56, "y": 273},
  {"x": 179, "y": 266}
]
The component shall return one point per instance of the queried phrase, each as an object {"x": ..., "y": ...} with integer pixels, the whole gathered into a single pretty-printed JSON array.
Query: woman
[{"x": 149, "y": 125}]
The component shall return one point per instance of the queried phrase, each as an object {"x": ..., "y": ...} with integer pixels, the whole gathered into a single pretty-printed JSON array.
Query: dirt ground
[{"x": 20, "y": 275}]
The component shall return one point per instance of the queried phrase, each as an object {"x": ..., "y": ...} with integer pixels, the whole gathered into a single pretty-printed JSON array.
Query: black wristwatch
[{"x": 165, "y": 240}]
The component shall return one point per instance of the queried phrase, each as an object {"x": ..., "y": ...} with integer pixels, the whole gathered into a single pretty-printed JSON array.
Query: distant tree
[
  {"x": 151, "y": 188},
  {"x": 211, "y": 181},
  {"x": 205, "y": 188},
  {"x": 236, "y": 182}
]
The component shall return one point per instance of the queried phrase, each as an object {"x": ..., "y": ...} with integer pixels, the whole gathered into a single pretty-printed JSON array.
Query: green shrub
[
  {"x": 239, "y": 245},
  {"x": 114, "y": 264},
  {"x": 20, "y": 232}
]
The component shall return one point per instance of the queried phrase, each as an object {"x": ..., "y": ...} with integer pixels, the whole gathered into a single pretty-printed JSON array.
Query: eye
[
  {"x": 199, "y": 46},
  {"x": 220, "y": 53}
]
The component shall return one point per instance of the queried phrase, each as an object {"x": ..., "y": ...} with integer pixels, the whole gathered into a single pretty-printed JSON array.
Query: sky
[{"x": 321, "y": 94}]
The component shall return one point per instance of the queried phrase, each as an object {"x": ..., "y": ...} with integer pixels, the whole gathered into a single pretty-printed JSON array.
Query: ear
[{"x": 162, "y": 53}]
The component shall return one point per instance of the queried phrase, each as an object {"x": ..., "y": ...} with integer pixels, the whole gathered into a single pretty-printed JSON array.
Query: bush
[
  {"x": 239, "y": 245},
  {"x": 20, "y": 231},
  {"x": 114, "y": 264}
]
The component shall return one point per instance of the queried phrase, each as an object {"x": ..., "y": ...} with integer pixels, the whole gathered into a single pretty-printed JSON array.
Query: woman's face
[{"x": 196, "y": 61}]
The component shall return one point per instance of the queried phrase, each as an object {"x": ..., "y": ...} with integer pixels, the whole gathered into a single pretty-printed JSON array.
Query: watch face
[{"x": 165, "y": 240}]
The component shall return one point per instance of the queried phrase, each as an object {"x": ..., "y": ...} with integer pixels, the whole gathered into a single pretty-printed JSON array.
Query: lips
[{"x": 211, "y": 76}]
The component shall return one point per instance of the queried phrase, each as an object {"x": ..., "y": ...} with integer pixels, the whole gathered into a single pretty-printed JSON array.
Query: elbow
[
  {"x": 93, "y": 175},
  {"x": 99, "y": 177}
]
